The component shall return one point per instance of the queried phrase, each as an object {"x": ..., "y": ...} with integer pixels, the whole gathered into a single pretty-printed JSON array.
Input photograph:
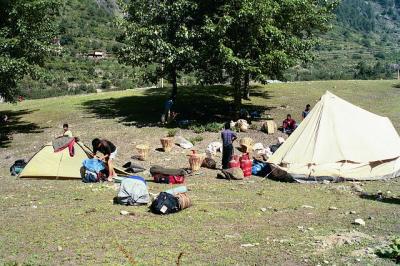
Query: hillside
[{"x": 362, "y": 44}]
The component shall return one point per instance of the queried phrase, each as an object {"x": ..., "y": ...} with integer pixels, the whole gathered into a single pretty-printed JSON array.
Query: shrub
[
  {"x": 106, "y": 84},
  {"x": 196, "y": 139},
  {"x": 213, "y": 127},
  {"x": 392, "y": 251},
  {"x": 197, "y": 128},
  {"x": 172, "y": 132},
  {"x": 397, "y": 85}
]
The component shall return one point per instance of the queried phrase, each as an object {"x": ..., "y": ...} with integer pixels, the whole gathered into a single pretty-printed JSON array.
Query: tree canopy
[{"x": 26, "y": 30}]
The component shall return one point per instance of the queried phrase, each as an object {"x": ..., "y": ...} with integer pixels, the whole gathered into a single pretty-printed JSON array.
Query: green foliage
[
  {"x": 26, "y": 31},
  {"x": 198, "y": 129},
  {"x": 210, "y": 127},
  {"x": 196, "y": 139},
  {"x": 172, "y": 132},
  {"x": 392, "y": 251},
  {"x": 105, "y": 85}
]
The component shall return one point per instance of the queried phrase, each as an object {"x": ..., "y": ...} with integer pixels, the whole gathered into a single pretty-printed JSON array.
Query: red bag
[{"x": 169, "y": 179}]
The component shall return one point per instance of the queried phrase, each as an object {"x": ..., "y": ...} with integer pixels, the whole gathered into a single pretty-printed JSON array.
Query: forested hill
[{"x": 363, "y": 43}]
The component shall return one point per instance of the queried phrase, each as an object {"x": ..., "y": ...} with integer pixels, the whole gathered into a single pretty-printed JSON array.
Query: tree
[
  {"x": 26, "y": 30},
  {"x": 159, "y": 32},
  {"x": 260, "y": 38}
]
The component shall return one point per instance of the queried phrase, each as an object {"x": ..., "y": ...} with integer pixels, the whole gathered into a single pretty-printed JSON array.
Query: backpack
[
  {"x": 90, "y": 177},
  {"x": 165, "y": 203},
  {"x": 17, "y": 167},
  {"x": 133, "y": 191},
  {"x": 169, "y": 179}
]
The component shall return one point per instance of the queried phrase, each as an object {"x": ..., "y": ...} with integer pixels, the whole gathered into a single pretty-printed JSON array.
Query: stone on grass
[
  {"x": 307, "y": 207},
  {"x": 359, "y": 221},
  {"x": 353, "y": 212},
  {"x": 124, "y": 213},
  {"x": 59, "y": 248},
  {"x": 333, "y": 208},
  {"x": 249, "y": 245},
  {"x": 263, "y": 209}
]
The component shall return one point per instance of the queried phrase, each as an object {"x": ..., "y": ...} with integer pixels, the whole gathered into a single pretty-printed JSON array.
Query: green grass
[{"x": 82, "y": 220}]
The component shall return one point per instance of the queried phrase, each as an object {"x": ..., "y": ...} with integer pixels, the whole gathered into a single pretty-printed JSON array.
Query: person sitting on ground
[
  {"x": 228, "y": 137},
  {"x": 109, "y": 151},
  {"x": 274, "y": 147},
  {"x": 288, "y": 125},
  {"x": 66, "y": 131},
  {"x": 306, "y": 111}
]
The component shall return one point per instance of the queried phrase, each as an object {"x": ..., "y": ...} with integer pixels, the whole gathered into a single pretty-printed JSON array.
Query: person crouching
[{"x": 109, "y": 151}]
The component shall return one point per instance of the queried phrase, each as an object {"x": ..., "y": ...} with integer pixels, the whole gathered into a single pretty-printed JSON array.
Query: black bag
[
  {"x": 165, "y": 203},
  {"x": 17, "y": 167}
]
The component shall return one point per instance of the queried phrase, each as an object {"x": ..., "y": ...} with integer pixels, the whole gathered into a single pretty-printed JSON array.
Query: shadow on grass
[
  {"x": 376, "y": 197},
  {"x": 196, "y": 103},
  {"x": 15, "y": 125}
]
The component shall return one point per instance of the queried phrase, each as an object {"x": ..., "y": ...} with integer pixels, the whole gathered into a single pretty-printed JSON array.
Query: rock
[
  {"x": 370, "y": 218},
  {"x": 307, "y": 207},
  {"x": 388, "y": 192},
  {"x": 263, "y": 209},
  {"x": 124, "y": 213},
  {"x": 357, "y": 188},
  {"x": 353, "y": 212},
  {"x": 34, "y": 206},
  {"x": 326, "y": 262},
  {"x": 358, "y": 260},
  {"x": 326, "y": 182},
  {"x": 359, "y": 221},
  {"x": 310, "y": 229},
  {"x": 249, "y": 245},
  {"x": 333, "y": 208},
  {"x": 59, "y": 248}
]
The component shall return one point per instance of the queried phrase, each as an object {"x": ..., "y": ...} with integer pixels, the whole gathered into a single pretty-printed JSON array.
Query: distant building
[{"x": 96, "y": 54}]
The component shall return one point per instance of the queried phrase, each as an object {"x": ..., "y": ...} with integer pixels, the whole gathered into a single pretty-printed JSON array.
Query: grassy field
[{"x": 67, "y": 222}]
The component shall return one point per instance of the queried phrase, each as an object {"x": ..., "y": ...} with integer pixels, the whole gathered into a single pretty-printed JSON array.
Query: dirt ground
[{"x": 251, "y": 222}]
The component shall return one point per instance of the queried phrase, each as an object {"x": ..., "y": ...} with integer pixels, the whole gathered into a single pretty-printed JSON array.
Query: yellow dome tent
[
  {"x": 48, "y": 164},
  {"x": 339, "y": 141}
]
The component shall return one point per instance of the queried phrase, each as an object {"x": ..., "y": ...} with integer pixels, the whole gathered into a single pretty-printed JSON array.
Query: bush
[
  {"x": 213, "y": 127},
  {"x": 106, "y": 84},
  {"x": 196, "y": 139},
  {"x": 397, "y": 85},
  {"x": 392, "y": 251},
  {"x": 198, "y": 129},
  {"x": 172, "y": 132}
]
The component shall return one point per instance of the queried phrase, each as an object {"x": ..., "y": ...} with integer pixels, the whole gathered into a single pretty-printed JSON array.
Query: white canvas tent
[{"x": 339, "y": 141}]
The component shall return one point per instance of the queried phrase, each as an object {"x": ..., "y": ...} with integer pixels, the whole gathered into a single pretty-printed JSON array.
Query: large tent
[
  {"x": 339, "y": 141},
  {"x": 48, "y": 164}
]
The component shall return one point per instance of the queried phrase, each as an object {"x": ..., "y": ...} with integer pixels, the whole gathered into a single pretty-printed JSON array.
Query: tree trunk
[
  {"x": 174, "y": 83},
  {"x": 246, "y": 87},
  {"x": 236, "y": 84}
]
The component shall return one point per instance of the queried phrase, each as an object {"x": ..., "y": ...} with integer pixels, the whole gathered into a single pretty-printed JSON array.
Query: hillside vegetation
[{"x": 362, "y": 44}]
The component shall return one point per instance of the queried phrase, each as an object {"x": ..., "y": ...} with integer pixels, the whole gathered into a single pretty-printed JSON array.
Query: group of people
[
  {"x": 106, "y": 147},
  {"x": 228, "y": 136},
  {"x": 289, "y": 124}
]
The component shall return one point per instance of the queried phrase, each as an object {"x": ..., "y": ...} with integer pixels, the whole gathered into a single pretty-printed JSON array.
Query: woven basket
[
  {"x": 195, "y": 161},
  {"x": 246, "y": 144},
  {"x": 167, "y": 143},
  {"x": 184, "y": 200},
  {"x": 143, "y": 151},
  {"x": 270, "y": 127}
]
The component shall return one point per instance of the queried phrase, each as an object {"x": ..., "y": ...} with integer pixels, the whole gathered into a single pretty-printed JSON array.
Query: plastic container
[
  {"x": 175, "y": 190},
  {"x": 246, "y": 165},
  {"x": 234, "y": 162}
]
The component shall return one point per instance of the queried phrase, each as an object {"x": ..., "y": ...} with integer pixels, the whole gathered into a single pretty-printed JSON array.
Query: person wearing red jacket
[{"x": 288, "y": 125}]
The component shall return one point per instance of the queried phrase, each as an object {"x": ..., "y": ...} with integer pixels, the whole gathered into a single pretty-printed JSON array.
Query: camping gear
[
  {"x": 260, "y": 168},
  {"x": 246, "y": 164},
  {"x": 90, "y": 177},
  {"x": 63, "y": 142},
  {"x": 167, "y": 143},
  {"x": 231, "y": 174},
  {"x": 242, "y": 125},
  {"x": 94, "y": 165},
  {"x": 176, "y": 190},
  {"x": 167, "y": 171},
  {"x": 169, "y": 179},
  {"x": 195, "y": 161},
  {"x": 270, "y": 127},
  {"x": 209, "y": 163},
  {"x": 258, "y": 146},
  {"x": 183, "y": 143},
  {"x": 338, "y": 141},
  {"x": 246, "y": 144},
  {"x": 133, "y": 191},
  {"x": 143, "y": 151},
  {"x": 213, "y": 148},
  {"x": 17, "y": 167},
  {"x": 133, "y": 168},
  {"x": 165, "y": 203},
  {"x": 183, "y": 200},
  {"x": 60, "y": 165},
  {"x": 234, "y": 162}
]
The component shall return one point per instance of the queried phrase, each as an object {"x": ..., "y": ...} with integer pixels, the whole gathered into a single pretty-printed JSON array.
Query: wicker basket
[
  {"x": 246, "y": 144},
  {"x": 167, "y": 143},
  {"x": 143, "y": 151},
  {"x": 270, "y": 127},
  {"x": 195, "y": 161}
]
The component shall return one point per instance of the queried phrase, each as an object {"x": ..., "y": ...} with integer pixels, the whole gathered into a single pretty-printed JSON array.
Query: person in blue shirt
[
  {"x": 228, "y": 137},
  {"x": 306, "y": 111},
  {"x": 167, "y": 110}
]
